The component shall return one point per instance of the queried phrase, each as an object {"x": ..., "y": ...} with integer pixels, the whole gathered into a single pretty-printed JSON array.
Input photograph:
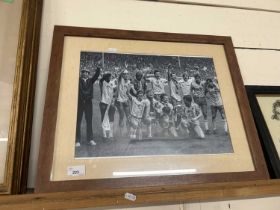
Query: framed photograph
[
  {"x": 20, "y": 27},
  {"x": 265, "y": 105},
  {"x": 129, "y": 109}
]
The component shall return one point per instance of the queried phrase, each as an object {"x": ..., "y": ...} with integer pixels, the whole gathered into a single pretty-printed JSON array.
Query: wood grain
[
  {"x": 23, "y": 99},
  {"x": 145, "y": 196}
]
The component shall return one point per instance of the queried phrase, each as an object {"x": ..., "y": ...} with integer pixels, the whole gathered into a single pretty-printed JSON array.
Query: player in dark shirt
[
  {"x": 139, "y": 84},
  {"x": 85, "y": 104}
]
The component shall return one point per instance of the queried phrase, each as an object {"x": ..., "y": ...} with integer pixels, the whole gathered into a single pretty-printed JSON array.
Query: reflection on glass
[{"x": 154, "y": 173}]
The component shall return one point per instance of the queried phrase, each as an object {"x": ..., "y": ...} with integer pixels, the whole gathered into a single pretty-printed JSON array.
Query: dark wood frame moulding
[
  {"x": 270, "y": 152},
  {"x": 16, "y": 168},
  {"x": 144, "y": 196},
  {"x": 43, "y": 183}
]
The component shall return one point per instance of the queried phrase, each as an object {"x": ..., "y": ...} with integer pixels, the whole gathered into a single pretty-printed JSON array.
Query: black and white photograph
[{"x": 143, "y": 105}]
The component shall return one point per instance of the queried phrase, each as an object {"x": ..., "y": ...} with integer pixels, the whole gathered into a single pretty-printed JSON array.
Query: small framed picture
[
  {"x": 265, "y": 105},
  {"x": 129, "y": 109}
]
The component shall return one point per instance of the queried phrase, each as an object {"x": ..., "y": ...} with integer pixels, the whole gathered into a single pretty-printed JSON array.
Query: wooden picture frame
[
  {"x": 65, "y": 41},
  {"x": 20, "y": 124},
  {"x": 262, "y": 118}
]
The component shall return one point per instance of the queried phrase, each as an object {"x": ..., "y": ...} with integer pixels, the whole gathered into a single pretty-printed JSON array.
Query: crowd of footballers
[{"x": 150, "y": 104}]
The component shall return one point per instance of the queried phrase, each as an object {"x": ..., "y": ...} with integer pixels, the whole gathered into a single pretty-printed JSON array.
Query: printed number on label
[{"x": 76, "y": 170}]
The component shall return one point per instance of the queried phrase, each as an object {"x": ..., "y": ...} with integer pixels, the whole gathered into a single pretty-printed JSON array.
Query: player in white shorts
[
  {"x": 185, "y": 87},
  {"x": 174, "y": 90},
  {"x": 122, "y": 102},
  {"x": 166, "y": 116},
  {"x": 213, "y": 94},
  {"x": 190, "y": 117},
  {"x": 138, "y": 114},
  {"x": 198, "y": 94},
  {"x": 106, "y": 105}
]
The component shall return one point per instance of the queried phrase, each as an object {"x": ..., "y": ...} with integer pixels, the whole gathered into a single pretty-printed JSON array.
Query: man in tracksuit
[{"x": 85, "y": 104}]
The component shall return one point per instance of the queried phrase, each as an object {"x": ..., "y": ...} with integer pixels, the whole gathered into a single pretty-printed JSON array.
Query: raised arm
[
  {"x": 168, "y": 75},
  {"x": 120, "y": 75},
  {"x": 101, "y": 85},
  {"x": 96, "y": 75},
  {"x": 173, "y": 90}
]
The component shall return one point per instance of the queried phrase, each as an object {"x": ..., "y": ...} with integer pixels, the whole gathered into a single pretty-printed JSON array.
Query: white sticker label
[
  {"x": 130, "y": 196},
  {"x": 76, "y": 170}
]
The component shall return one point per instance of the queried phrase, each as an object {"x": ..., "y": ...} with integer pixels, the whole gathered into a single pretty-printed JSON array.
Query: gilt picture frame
[{"x": 16, "y": 135}]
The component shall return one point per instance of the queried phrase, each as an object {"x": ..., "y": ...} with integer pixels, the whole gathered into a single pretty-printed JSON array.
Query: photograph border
[
  {"x": 270, "y": 152},
  {"x": 21, "y": 115},
  {"x": 43, "y": 183},
  {"x": 156, "y": 140}
]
